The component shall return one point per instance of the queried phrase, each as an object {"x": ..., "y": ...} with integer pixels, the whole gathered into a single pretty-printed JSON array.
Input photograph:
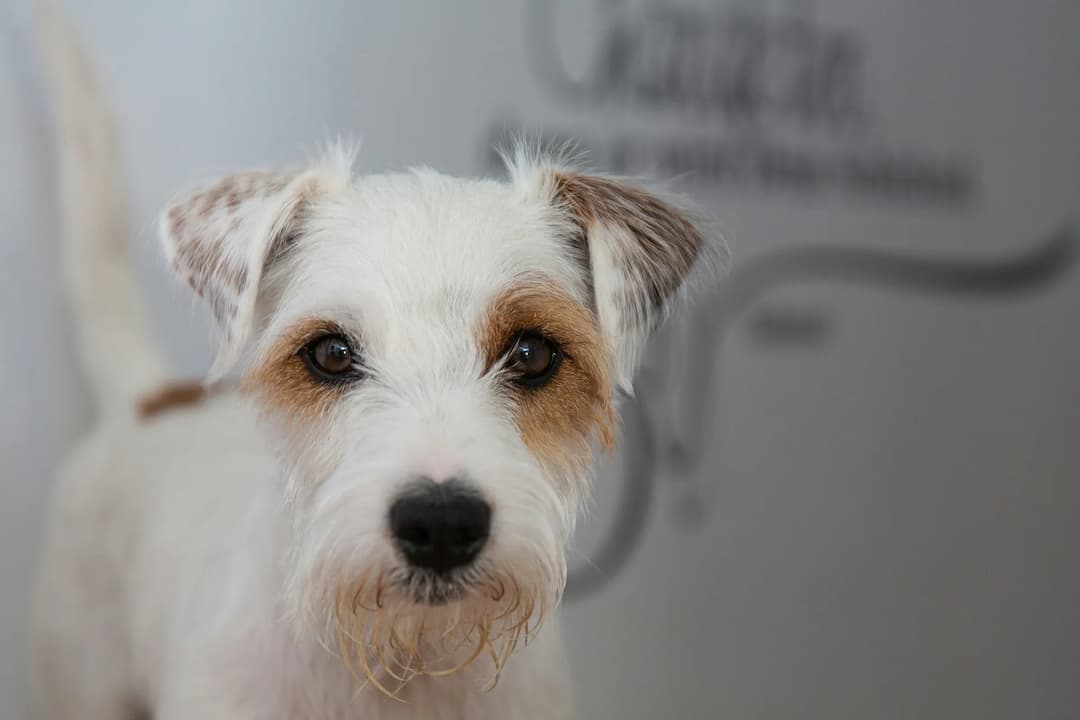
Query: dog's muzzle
[{"x": 440, "y": 527}]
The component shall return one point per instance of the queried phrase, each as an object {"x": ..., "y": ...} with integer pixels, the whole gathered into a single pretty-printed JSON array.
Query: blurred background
[{"x": 850, "y": 486}]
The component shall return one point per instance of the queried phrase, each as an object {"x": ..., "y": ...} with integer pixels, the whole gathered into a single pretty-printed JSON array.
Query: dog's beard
[{"x": 395, "y": 625}]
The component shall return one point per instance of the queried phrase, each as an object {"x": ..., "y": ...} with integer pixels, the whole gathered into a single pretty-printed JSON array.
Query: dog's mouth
[{"x": 427, "y": 587}]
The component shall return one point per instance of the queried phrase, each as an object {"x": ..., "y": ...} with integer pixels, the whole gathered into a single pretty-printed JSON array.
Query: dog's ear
[
  {"x": 640, "y": 248},
  {"x": 220, "y": 238}
]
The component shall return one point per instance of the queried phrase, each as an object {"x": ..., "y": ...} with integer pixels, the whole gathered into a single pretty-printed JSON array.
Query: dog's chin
[{"x": 399, "y": 622}]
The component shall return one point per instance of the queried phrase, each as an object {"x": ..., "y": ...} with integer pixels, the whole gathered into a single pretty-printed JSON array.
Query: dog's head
[{"x": 438, "y": 357}]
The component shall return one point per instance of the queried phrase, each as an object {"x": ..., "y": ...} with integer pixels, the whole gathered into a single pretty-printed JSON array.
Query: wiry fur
[{"x": 231, "y": 559}]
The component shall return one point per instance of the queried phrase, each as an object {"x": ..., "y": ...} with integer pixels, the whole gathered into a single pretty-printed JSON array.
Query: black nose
[{"x": 440, "y": 526}]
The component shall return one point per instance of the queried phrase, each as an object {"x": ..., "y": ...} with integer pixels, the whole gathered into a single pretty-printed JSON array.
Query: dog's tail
[{"x": 114, "y": 346}]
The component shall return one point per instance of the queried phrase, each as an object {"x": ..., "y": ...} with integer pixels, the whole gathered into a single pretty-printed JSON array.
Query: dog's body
[
  {"x": 155, "y": 590},
  {"x": 378, "y": 520}
]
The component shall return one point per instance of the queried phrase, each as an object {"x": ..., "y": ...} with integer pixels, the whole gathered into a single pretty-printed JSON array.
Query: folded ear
[
  {"x": 220, "y": 239},
  {"x": 641, "y": 250}
]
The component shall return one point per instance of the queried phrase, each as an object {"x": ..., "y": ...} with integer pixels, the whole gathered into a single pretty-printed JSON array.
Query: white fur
[
  {"x": 192, "y": 562},
  {"x": 161, "y": 587}
]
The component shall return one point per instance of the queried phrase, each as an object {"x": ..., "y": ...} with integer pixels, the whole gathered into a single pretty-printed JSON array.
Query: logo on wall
[{"x": 770, "y": 102}]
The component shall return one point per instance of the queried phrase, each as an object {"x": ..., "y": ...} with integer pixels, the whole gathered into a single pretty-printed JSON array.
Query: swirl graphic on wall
[{"x": 650, "y": 447}]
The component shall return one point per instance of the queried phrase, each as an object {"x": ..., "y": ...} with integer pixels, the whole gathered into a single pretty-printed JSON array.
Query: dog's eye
[
  {"x": 330, "y": 358},
  {"x": 534, "y": 358}
]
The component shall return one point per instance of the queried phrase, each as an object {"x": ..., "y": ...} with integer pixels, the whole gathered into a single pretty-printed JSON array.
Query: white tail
[{"x": 114, "y": 346}]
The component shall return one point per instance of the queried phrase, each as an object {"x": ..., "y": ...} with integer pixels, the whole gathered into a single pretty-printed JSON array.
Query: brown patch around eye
[
  {"x": 558, "y": 420},
  {"x": 282, "y": 382}
]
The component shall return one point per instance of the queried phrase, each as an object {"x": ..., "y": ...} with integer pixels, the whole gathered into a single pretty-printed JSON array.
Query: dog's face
[{"x": 437, "y": 358}]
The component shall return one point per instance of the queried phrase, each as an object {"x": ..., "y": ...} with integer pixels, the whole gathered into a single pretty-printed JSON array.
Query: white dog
[{"x": 374, "y": 524}]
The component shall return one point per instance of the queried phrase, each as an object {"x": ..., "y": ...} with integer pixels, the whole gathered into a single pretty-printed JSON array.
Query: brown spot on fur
[
  {"x": 233, "y": 199},
  {"x": 202, "y": 263},
  {"x": 205, "y": 203},
  {"x": 241, "y": 280},
  {"x": 177, "y": 221},
  {"x": 277, "y": 184},
  {"x": 558, "y": 420},
  {"x": 226, "y": 194},
  {"x": 282, "y": 382},
  {"x": 170, "y": 397},
  {"x": 665, "y": 242},
  {"x": 221, "y": 307}
]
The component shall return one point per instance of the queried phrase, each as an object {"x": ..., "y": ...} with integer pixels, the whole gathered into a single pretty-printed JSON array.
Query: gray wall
[{"x": 852, "y": 489}]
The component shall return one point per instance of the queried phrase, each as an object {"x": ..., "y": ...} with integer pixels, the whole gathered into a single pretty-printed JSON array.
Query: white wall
[{"x": 886, "y": 524}]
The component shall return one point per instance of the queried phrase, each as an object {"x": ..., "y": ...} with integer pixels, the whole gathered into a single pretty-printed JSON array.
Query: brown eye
[
  {"x": 330, "y": 358},
  {"x": 534, "y": 358}
]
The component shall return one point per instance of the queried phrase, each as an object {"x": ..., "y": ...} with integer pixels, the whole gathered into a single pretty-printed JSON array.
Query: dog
[{"x": 373, "y": 522}]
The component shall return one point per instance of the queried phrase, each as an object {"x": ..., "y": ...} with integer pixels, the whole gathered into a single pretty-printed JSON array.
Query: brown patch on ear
[
  {"x": 664, "y": 242},
  {"x": 202, "y": 228},
  {"x": 282, "y": 383},
  {"x": 558, "y": 420}
]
